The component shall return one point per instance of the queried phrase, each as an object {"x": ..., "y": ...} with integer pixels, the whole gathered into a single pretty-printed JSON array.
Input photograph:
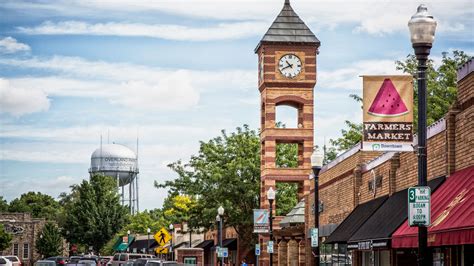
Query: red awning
[{"x": 452, "y": 215}]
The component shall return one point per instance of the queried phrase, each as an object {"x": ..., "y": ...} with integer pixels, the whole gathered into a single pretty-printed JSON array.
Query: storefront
[
  {"x": 336, "y": 251},
  {"x": 451, "y": 234},
  {"x": 371, "y": 243}
]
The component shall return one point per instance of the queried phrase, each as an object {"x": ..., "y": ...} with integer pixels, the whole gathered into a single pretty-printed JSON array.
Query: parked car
[
  {"x": 105, "y": 260},
  {"x": 5, "y": 262},
  {"x": 60, "y": 261},
  {"x": 121, "y": 258},
  {"x": 14, "y": 259},
  {"x": 45, "y": 263},
  {"x": 73, "y": 259}
]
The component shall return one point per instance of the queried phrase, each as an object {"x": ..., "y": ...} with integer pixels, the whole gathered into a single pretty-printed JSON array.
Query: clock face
[{"x": 289, "y": 65}]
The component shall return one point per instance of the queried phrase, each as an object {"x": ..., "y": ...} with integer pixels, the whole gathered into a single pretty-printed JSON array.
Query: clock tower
[{"x": 287, "y": 75}]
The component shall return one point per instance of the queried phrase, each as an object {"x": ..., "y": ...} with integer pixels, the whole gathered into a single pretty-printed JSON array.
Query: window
[
  {"x": 26, "y": 251},
  {"x": 190, "y": 260},
  {"x": 15, "y": 250}
]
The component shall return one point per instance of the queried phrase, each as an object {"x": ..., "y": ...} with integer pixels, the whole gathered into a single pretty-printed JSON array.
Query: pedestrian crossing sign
[
  {"x": 162, "y": 237},
  {"x": 161, "y": 250}
]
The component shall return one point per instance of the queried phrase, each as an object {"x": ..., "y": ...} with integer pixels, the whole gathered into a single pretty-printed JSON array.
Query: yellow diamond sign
[
  {"x": 161, "y": 250},
  {"x": 162, "y": 237}
]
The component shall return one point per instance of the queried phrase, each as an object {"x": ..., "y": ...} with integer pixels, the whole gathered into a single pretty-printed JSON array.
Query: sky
[{"x": 176, "y": 72}]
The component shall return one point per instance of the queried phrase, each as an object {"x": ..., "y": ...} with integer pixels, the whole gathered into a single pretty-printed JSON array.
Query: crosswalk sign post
[
  {"x": 161, "y": 250},
  {"x": 162, "y": 237}
]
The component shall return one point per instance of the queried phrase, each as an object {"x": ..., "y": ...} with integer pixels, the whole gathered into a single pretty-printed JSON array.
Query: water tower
[{"x": 120, "y": 162}]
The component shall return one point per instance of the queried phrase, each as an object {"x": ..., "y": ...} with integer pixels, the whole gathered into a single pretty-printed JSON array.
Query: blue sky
[{"x": 174, "y": 73}]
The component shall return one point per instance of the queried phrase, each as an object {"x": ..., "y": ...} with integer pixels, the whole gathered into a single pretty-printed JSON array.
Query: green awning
[{"x": 121, "y": 246}]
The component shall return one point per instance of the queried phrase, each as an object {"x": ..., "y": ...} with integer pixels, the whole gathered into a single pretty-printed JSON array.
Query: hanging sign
[
  {"x": 419, "y": 206},
  {"x": 387, "y": 113},
  {"x": 270, "y": 247},
  {"x": 261, "y": 221},
  {"x": 257, "y": 249}
]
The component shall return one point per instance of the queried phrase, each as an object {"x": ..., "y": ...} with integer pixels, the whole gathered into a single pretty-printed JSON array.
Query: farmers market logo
[{"x": 387, "y": 102}]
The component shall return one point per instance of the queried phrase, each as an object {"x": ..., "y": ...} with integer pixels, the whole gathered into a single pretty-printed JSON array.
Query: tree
[
  {"x": 177, "y": 208},
  {"x": 225, "y": 172},
  {"x": 94, "y": 214},
  {"x": 441, "y": 91},
  {"x": 38, "y": 204},
  {"x": 3, "y": 205},
  {"x": 441, "y": 83},
  {"x": 49, "y": 241},
  {"x": 140, "y": 222},
  {"x": 5, "y": 238}
]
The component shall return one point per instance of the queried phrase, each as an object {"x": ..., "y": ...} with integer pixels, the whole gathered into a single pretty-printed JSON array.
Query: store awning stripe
[{"x": 451, "y": 215}]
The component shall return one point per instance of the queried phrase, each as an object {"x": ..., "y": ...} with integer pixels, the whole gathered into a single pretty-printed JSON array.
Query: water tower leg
[
  {"x": 137, "y": 195},
  {"x": 130, "y": 196}
]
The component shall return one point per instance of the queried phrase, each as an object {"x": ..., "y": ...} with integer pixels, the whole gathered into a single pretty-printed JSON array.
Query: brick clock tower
[{"x": 287, "y": 76}]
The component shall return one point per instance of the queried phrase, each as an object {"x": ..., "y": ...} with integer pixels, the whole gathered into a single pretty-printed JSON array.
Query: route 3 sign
[{"x": 419, "y": 206}]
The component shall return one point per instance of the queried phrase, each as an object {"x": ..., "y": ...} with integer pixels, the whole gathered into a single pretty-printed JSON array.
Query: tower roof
[{"x": 288, "y": 27}]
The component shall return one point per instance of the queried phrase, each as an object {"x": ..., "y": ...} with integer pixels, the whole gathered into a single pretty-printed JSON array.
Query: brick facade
[
  {"x": 25, "y": 231},
  {"x": 357, "y": 176}
]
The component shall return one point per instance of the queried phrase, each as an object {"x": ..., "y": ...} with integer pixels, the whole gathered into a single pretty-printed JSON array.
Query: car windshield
[
  {"x": 134, "y": 256},
  {"x": 12, "y": 258},
  {"x": 153, "y": 263}
]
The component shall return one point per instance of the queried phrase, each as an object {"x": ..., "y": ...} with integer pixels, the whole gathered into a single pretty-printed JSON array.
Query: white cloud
[
  {"x": 222, "y": 31},
  {"x": 19, "y": 101},
  {"x": 9, "y": 45},
  {"x": 369, "y": 16},
  {"x": 349, "y": 78},
  {"x": 130, "y": 85}
]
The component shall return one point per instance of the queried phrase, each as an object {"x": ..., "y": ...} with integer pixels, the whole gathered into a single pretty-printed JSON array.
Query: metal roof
[
  {"x": 288, "y": 27},
  {"x": 295, "y": 216}
]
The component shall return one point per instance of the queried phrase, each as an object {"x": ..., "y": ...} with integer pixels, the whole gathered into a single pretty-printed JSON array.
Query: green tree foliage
[
  {"x": 225, "y": 172},
  {"x": 3, "y": 205},
  {"x": 49, "y": 241},
  {"x": 329, "y": 153},
  {"x": 140, "y": 222},
  {"x": 38, "y": 204},
  {"x": 5, "y": 238},
  {"x": 93, "y": 215},
  {"x": 441, "y": 83},
  {"x": 178, "y": 208},
  {"x": 286, "y": 197},
  {"x": 441, "y": 91}
]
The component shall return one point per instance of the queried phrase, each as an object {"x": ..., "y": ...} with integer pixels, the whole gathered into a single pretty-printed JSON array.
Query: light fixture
[
  {"x": 171, "y": 227},
  {"x": 422, "y": 27},
  {"x": 271, "y": 193},
  {"x": 317, "y": 158},
  {"x": 220, "y": 210},
  {"x": 148, "y": 230}
]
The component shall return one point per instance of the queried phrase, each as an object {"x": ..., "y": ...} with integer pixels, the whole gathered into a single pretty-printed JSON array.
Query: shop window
[
  {"x": 26, "y": 251},
  {"x": 190, "y": 261},
  {"x": 286, "y": 197}
]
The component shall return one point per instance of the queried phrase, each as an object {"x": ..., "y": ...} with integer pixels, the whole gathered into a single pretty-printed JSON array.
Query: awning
[
  {"x": 142, "y": 244},
  {"x": 122, "y": 246},
  {"x": 206, "y": 244},
  {"x": 230, "y": 243},
  {"x": 295, "y": 216},
  {"x": 377, "y": 230},
  {"x": 354, "y": 221},
  {"x": 452, "y": 215}
]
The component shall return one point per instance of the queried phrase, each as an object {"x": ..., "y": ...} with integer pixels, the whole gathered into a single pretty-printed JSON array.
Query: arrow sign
[
  {"x": 162, "y": 237},
  {"x": 161, "y": 250}
]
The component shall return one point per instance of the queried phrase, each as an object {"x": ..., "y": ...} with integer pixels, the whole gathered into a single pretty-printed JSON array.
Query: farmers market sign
[{"x": 388, "y": 113}]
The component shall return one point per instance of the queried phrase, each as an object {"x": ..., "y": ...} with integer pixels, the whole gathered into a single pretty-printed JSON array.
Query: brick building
[
  {"x": 362, "y": 192},
  {"x": 25, "y": 230}
]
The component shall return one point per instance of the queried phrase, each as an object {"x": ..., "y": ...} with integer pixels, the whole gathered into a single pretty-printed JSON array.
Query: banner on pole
[
  {"x": 261, "y": 221},
  {"x": 388, "y": 113}
]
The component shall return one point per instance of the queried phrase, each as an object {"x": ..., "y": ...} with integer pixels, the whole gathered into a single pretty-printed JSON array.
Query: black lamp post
[
  {"x": 422, "y": 30},
  {"x": 220, "y": 212},
  {"x": 316, "y": 165},
  {"x": 171, "y": 227},
  {"x": 271, "y": 196},
  {"x": 148, "y": 230},
  {"x": 128, "y": 240}
]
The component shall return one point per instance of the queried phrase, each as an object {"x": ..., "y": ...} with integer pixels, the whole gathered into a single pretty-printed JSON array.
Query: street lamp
[
  {"x": 271, "y": 196},
  {"x": 128, "y": 240},
  {"x": 171, "y": 227},
  {"x": 220, "y": 212},
  {"x": 148, "y": 230},
  {"x": 422, "y": 30},
  {"x": 316, "y": 164}
]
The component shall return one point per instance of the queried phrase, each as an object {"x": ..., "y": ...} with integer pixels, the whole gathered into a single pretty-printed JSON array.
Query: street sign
[
  {"x": 162, "y": 237},
  {"x": 161, "y": 250},
  {"x": 223, "y": 252},
  {"x": 270, "y": 247},
  {"x": 261, "y": 221},
  {"x": 314, "y": 237},
  {"x": 419, "y": 206},
  {"x": 257, "y": 249}
]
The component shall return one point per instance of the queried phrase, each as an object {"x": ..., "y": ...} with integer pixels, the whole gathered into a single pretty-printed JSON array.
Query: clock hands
[{"x": 289, "y": 65}]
